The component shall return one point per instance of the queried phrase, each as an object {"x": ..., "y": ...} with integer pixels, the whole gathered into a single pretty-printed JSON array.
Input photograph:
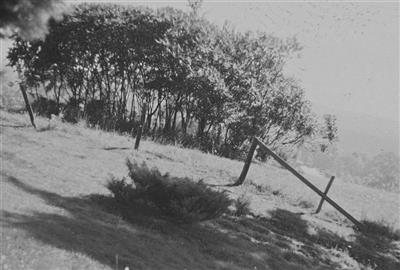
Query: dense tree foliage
[{"x": 174, "y": 73}]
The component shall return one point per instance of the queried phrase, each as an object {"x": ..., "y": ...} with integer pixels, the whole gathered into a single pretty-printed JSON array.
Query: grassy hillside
[{"x": 57, "y": 214}]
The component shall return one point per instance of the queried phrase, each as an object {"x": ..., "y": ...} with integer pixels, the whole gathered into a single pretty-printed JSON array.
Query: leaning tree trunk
[{"x": 27, "y": 105}]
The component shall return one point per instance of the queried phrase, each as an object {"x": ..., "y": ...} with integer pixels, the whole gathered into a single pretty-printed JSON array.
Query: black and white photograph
[{"x": 199, "y": 135}]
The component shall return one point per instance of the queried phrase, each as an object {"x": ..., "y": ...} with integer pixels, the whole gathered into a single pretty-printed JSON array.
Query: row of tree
[{"x": 172, "y": 74}]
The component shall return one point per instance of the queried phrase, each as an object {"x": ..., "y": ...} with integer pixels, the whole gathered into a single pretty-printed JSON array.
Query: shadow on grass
[
  {"x": 373, "y": 247},
  {"x": 100, "y": 228},
  {"x": 117, "y": 148},
  {"x": 48, "y": 127},
  {"x": 160, "y": 155},
  {"x": 93, "y": 226},
  {"x": 376, "y": 251},
  {"x": 15, "y": 126}
]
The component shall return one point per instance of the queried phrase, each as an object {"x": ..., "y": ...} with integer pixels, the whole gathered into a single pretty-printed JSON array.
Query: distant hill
[{"x": 364, "y": 133}]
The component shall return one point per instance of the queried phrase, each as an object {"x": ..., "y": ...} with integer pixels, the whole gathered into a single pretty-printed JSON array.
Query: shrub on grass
[
  {"x": 49, "y": 126},
  {"x": 181, "y": 199},
  {"x": 242, "y": 206},
  {"x": 123, "y": 192},
  {"x": 45, "y": 107},
  {"x": 260, "y": 188},
  {"x": 305, "y": 204},
  {"x": 72, "y": 112},
  {"x": 373, "y": 246},
  {"x": 380, "y": 229}
]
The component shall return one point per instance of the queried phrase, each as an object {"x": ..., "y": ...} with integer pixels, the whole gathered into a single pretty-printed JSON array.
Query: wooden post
[
  {"x": 138, "y": 136},
  {"x": 310, "y": 185},
  {"x": 326, "y": 193},
  {"x": 27, "y": 105},
  {"x": 247, "y": 163},
  {"x": 142, "y": 122}
]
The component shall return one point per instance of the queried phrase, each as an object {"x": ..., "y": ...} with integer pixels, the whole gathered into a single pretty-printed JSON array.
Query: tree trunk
[
  {"x": 174, "y": 120},
  {"x": 201, "y": 127},
  {"x": 148, "y": 126},
  {"x": 167, "y": 124},
  {"x": 133, "y": 112},
  {"x": 27, "y": 105},
  {"x": 183, "y": 122}
]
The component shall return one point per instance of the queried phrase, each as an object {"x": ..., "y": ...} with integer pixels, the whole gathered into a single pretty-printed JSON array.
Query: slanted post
[
  {"x": 247, "y": 163},
  {"x": 141, "y": 126},
  {"x": 326, "y": 193},
  {"x": 22, "y": 87},
  {"x": 310, "y": 185}
]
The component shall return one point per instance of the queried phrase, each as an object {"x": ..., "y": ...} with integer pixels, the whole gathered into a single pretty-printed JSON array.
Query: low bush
[
  {"x": 48, "y": 127},
  {"x": 97, "y": 114},
  {"x": 372, "y": 228},
  {"x": 123, "y": 191},
  {"x": 372, "y": 246},
  {"x": 180, "y": 199},
  {"x": 259, "y": 188},
  {"x": 242, "y": 206},
  {"x": 303, "y": 203},
  {"x": 45, "y": 107},
  {"x": 72, "y": 112}
]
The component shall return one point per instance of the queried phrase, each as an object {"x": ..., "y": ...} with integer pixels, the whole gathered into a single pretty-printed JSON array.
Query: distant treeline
[
  {"x": 379, "y": 171},
  {"x": 172, "y": 73}
]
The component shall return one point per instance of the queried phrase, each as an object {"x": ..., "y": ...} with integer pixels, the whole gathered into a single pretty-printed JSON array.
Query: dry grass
[{"x": 51, "y": 220}]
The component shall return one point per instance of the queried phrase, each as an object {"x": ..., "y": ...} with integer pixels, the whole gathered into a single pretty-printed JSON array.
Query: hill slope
[{"x": 54, "y": 214}]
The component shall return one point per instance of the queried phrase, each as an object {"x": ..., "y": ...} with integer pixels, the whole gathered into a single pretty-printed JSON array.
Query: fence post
[
  {"x": 138, "y": 137},
  {"x": 310, "y": 185},
  {"x": 247, "y": 163},
  {"x": 141, "y": 126},
  {"x": 326, "y": 193},
  {"x": 22, "y": 87}
]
